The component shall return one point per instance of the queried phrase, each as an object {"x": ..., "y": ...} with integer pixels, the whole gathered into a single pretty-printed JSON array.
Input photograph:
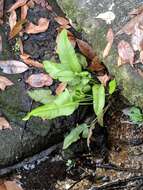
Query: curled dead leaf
[
  {"x": 39, "y": 80},
  {"x": 4, "y": 82},
  {"x": 136, "y": 11},
  {"x": 26, "y": 58},
  {"x": 62, "y": 21},
  {"x": 24, "y": 11},
  {"x": 137, "y": 38},
  {"x": 17, "y": 4},
  {"x": 126, "y": 52},
  {"x": 42, "y": 26},
  {"x": 13, "y": 66},
  {"x": 96, "y": 65},
  {"x": 4, "y": 124},
  {"x": 109, "y": 38},
  {"x": 12, "y": 19},
  {"x": 86, "y": 49},
  {"x": 12, "y": 185},
  {"x": 61, "y": 87},
  {"x": 17, "y": 28},
  {"x": 104, "y": 79}
]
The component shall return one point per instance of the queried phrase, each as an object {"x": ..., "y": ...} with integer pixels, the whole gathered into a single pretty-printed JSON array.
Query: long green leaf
[
  {"x": 74, "y": 135},
  {"x": 63, "y": 105},
  {"x": 67, "y": 53},
  {"x": 98, "y": 101}
]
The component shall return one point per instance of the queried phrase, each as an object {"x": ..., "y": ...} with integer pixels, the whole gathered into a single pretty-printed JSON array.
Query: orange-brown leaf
[
  {"x": 39, "y": 80},
  {"x": 61, "y": 87},
  {"x": 42, "y": 26},
  {"x": 62, "y": 21},
  {"x": 136, "y": 11},
  {"x": 96, "y": 65},
  {"x": 26, "y": 58},
  {"x": 17, "y": 4},
  {"x": 4, "y": 82},
  {"x": 109, "y": 38},
  {"x": 4, "y": 124},
  {"x": 17, "y": 28},
  {"x": 86, "y": 49},
  {"x": 126, "y": 52}
]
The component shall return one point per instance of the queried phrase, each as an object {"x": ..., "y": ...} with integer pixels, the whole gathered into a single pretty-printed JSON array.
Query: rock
[{"x": 83, "y": 14}]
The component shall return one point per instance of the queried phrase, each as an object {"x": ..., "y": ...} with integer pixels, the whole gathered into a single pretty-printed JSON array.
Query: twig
[
  {"x": 29, "y": 160},
  {"x": 116, "y": 183}
]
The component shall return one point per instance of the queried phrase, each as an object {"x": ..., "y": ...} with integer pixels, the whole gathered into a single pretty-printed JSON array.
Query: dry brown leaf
[
  {"x": 126, "y": 52},
  {"x": 24, "y": 11},
  {"x": 4, "y": 82},
  {"x": 137, "y": 38},
  {"x": 42, "y": 26},
  {"x": 61, "y": 87},
  {"x": 43, "y": 3},
  {"x": 17, "y": 28},
  {"x": 17, "y": 4},
  {"x": 13, "y": 66},
  {"x": 141, "y": 56},
  {"x": 30, "y": 4},
  {"x": 109, "y": 38},
  {"x": 12, "y": 19},
  {"x": 39, "y": 80},
  {"x": 129, "y": 27},
  {"x": 26, "y": 58},
  {"x": 104, "y": 79},
  {"x": 12, "y": 185},
  {"x": 4, "y": 124},
  {"x": 96, "y": 66},
  {"x": 1, "y": 10},
  {"x": 1, "y": 44},
  {"x": 86, "y": 49},
  {"x": 136, "y": 11},
  {"x": 119, "y": 61},
  {"x": 62, "y": 21},
  {"x": 64, "y": 27}
]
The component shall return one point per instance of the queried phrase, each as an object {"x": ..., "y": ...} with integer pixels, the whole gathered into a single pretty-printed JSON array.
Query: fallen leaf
[
  {"x": 136, "y": 11},
  {"x": 1, "y": 43},
  {"x": 13, "y": 66},
  {"x": 12, "y": 19},
  {"x": 62, "y": 21},
  {"x": 141, "y": 56},
  {"x": 64, "y": 27},
  {"x": 17, "y": 28},
  {"x": 39, "y": 80},
  {"x": 137, "y": 38},
  {"x": 4, "y": 124},
  {"x": 24, "y": 11},
  {"x": 43, "y": 4},
  {"x": 86, "y": 49},
  {"x": 1, "y": 11},
  {"x": 119, "y": 61},
  {"x": 126, "y": 52},
  {"x": 12, "y": 185},
  {"x": 104, "y": 79},
  {"x": 26, "y": 58},
  {"x": 17, "y": 4},
  {"x": 4, "y": 82},
  {"x": 96, "y": 65},
  {"x": 61, "y": 87},
  {"x": 42, "y": 26},
  {"x": 108, "y": 16},
  {"x": 30, "y": 4},
  {"x": 109, "y": 38},
  {"x": 129, "y": 27}
]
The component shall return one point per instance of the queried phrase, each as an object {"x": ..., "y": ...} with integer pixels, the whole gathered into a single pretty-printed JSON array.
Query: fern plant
[{"x": 81, "y": 89}]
